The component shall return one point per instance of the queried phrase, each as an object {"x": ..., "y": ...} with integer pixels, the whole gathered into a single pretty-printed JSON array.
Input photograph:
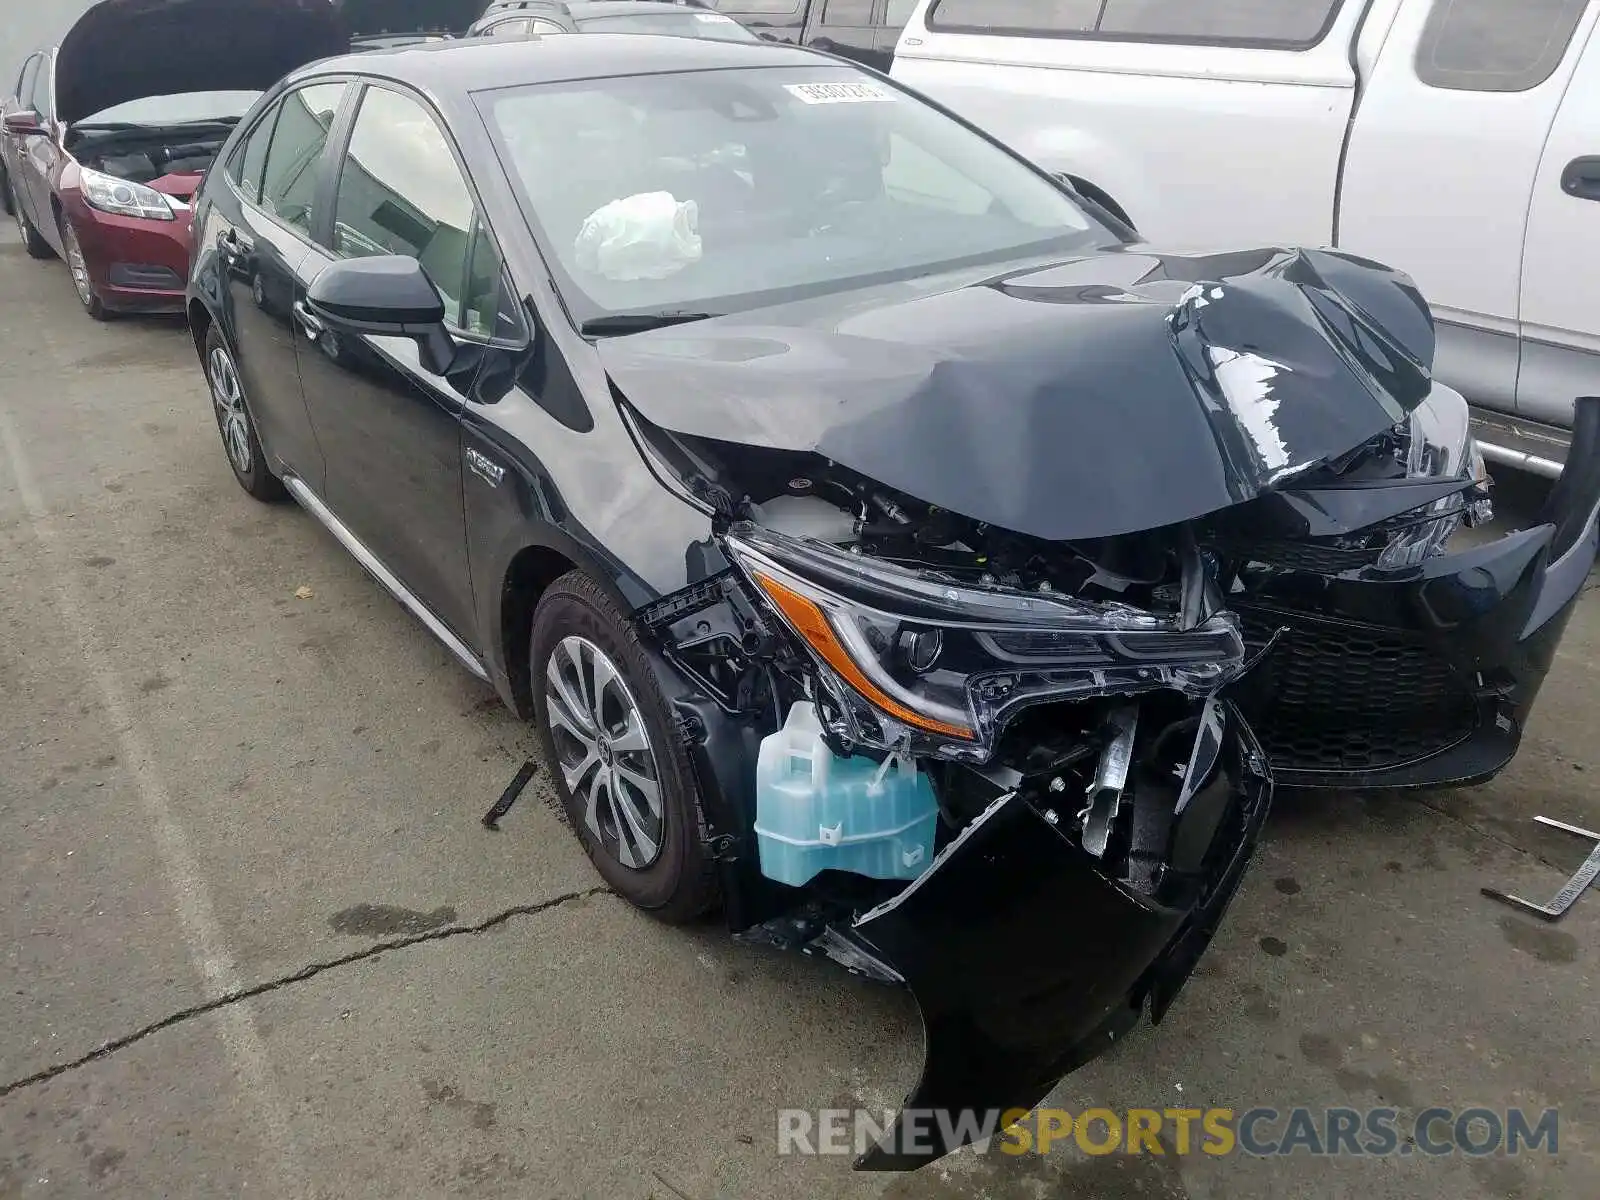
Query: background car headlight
[
  {"x": 910, "y": 652},
  {"x": 112, "y": 195}
]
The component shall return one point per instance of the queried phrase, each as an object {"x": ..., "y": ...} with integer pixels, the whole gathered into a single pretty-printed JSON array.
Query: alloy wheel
[
  {"x": 604, "y": 752},
  {"x": 79, "y": 268},
  {"x": 227, "y": 393}
]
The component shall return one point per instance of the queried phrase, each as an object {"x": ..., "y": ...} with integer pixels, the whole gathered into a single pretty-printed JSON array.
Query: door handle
[
  {"x": 233, "y": 248},
  {"x": 309, "y": 321},
  {"x": 1582, "y": 178}
]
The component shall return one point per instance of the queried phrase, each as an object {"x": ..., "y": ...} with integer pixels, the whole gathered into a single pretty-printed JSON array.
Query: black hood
[
  {"x": 373, "y": 18},
  {"x": 122, "y": 50},
  {"x": 1107, "y": 394}
]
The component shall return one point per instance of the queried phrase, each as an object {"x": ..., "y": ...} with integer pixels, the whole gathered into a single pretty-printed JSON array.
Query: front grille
[
  {"x": 1336, "y": 698},
  {"x": 1317, "y": 557}
]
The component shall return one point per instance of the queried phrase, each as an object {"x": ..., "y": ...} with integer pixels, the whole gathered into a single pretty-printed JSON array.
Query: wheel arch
[
  {"x": 200, "y": 323},
  {"x": 536, "y": 563}
]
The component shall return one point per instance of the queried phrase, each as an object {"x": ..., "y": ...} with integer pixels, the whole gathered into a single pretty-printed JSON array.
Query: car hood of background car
[
  {"x": 374, "y": 18},
  {"x": 122, "y": 50},
  {"x": 1106, "y": 394}
]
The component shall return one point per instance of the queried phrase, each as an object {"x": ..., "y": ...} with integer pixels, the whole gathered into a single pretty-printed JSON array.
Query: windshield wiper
[{"x": 639, "y": 322}]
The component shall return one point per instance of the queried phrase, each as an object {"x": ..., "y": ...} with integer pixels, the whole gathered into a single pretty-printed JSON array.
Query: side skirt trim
[{"x": 313, "y": 504}]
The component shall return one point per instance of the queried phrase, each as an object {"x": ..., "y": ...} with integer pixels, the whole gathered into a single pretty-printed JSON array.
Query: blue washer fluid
[{"x": 816, "y": 810}]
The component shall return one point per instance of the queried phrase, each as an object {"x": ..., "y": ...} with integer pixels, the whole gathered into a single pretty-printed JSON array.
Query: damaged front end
[
  {"x": 1021, "y": 597},
  {"x": 1023, "y": 778},
  {"x": 1090, "y": 798}
]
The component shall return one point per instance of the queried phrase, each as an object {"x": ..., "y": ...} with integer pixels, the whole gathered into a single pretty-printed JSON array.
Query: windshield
[
  {"x": 724, "y": 190},
  {"x": 176, "y": 110},
  {"x": 714, "y": 26}
]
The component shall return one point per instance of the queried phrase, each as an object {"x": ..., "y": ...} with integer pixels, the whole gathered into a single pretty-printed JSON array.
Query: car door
[
  {"x": 38, "y": 155},
  {"x": 1441, "y": 164},
  {"x": 390, "y": 428},
  {"x": 1561, "y": 260},
  {"x": 261, "y": 232},
  {"x": 846, "y": 27},
  {"x": 11, "y": 148}
]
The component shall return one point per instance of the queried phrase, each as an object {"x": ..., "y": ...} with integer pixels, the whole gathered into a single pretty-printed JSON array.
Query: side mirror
[
  {"x": 24, "y": 123},
  {"x": 387, "y": 295}
]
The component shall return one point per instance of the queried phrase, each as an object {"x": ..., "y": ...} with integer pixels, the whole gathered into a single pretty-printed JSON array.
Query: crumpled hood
[
  {"x": 122, "y": 50},
  {"x": 1116, "y": 392}
]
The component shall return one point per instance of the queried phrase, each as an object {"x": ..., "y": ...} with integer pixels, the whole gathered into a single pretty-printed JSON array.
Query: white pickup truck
[{"x": 1457, "y": 140}]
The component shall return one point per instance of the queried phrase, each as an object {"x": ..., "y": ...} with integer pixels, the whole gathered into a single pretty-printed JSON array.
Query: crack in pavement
[
  {"x": 106, "y": 1049},
  {"x": 1489, "y": 835}
]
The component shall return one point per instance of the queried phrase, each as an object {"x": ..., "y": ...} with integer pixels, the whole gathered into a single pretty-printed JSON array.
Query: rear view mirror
[
  {"x": 25, "y": 123},
  {"x": 384, "y": 296}
]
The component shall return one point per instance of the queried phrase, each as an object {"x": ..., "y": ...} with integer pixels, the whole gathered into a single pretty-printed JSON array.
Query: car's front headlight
[
  {"x": 112, "y": 195},
  {"x": 913, "y": 654},
  {"x": 1440, "y": 446}
]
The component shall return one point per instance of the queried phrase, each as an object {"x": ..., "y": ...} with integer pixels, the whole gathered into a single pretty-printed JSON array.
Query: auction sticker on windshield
[{"x": 839, "y": 93}]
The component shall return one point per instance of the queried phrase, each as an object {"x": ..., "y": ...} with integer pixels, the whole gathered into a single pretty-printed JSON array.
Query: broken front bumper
[
  {"x": 1027, "y": 958},
  {"x": 1422, "y": 676}
]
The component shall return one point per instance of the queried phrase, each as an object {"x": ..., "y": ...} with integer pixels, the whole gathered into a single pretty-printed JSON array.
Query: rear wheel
[
  {"x": 620, "y": 769},
  {"x": 78, "y": 265},
  {"x": 36, "y": 245},
  {"x": 234, "y": 422}
]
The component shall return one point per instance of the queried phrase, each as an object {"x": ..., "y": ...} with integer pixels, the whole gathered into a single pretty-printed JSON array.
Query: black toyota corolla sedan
[{"x": 888, "y": 547}]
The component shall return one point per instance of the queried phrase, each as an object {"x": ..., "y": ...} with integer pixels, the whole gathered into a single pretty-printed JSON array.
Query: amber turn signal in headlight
[{"x": 808, "y": 620}]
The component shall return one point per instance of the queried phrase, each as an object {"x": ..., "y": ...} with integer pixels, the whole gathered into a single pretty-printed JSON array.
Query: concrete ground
[{"x": 257, "y": 944}]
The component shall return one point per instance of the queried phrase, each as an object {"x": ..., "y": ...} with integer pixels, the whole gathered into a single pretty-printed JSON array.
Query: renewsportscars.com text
[{"x": 1260, "y": 1132}]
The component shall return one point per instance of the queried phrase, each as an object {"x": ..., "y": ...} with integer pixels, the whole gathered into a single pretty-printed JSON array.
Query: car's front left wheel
[
  {"x": 82, "y": 282},
  {"x": 234, "y": 422},
  {"x": 36, "y": 246},
  {"x": 620, "y": 768}
]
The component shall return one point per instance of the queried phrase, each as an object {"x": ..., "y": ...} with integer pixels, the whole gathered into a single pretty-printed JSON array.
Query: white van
[{"x": 1457, "y": 140}]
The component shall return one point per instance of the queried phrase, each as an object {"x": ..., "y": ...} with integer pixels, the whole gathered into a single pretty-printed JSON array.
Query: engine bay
[{"x": 153, "y": 157}]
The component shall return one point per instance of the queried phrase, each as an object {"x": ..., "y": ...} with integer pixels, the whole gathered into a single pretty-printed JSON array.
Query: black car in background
[
  {"x": 372, "y": 22},
  {"x": 865, "y": 30},
  {"x": 673, "y": 18},
  {"x": 685, "y": 388}
]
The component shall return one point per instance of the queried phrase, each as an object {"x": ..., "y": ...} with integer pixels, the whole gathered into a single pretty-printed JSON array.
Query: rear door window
[
  {"x": 248, "y": 166},
  {"x": 1493, "y": 45},
  {"x": 289, "y": 184},
  {"x": 1277, "y": 24},
  {"x": 760, "y": 8},
  {"x": 898, "y": 13},
  {"x": 1049, "y": 18}
]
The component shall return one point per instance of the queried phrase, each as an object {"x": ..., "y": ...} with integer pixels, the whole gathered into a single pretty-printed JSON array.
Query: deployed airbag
[{"x": 649, "y": 235}]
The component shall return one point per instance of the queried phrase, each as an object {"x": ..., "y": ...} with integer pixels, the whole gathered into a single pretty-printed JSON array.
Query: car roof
[{"x": 483, "y": 64}]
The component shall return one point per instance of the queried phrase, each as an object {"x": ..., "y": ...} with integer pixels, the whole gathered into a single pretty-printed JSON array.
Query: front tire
[
  {"x": 237, "y": 426},
  {"x": 35, "y": 244},
  {"x": 79, "y": 268},
  {"x": 620, "y": 769}
]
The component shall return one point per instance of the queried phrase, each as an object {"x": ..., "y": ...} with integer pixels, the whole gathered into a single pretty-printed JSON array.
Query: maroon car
[{"x": 111, "y": 132}]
